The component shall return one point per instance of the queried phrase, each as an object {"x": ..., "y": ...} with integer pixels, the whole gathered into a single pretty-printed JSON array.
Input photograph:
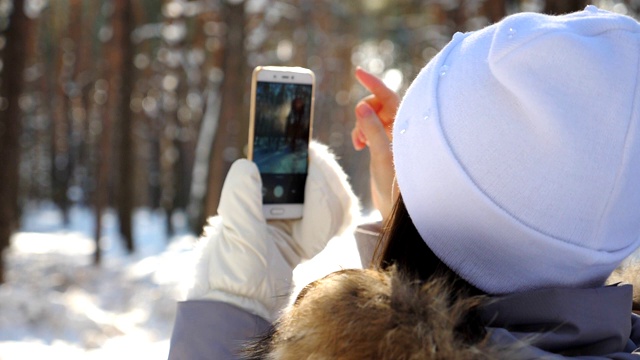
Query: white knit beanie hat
[{"x": 517, "y": 151}]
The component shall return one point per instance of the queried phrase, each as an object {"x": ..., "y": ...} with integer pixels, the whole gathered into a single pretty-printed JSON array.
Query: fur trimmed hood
[
  {"x": 369, "y": 314},
  {"x": 403, "y": 321}
]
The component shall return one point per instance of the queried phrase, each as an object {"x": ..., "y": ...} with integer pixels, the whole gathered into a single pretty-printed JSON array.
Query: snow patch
[{"x": 57, "y": 304}]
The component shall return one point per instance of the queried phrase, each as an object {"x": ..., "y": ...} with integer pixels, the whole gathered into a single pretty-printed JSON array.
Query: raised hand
[{"x": 375, "y": 115}]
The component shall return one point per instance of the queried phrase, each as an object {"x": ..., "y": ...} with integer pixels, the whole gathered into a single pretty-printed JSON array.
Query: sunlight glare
[
  {"x": 38, "y": 243},
  {"x": 393, "y": 79}
]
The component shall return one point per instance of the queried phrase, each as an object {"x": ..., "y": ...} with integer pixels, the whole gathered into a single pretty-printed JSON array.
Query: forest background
[{"x": 144, "y": 103}]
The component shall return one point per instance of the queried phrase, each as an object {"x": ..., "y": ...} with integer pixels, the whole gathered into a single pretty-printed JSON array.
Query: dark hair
[{"x": 401, "y": 245}]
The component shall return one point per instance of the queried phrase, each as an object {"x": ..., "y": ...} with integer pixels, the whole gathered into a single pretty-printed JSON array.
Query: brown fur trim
[{"x": 368, "y": 314}]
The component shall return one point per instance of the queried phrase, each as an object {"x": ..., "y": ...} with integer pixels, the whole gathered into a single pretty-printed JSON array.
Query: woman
[
  {"x": 517, "y": 165},
  {"x": 516, "y": 152}
]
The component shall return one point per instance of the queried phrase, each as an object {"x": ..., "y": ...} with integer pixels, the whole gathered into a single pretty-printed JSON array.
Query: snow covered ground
[{"x": 57, "y": 305}]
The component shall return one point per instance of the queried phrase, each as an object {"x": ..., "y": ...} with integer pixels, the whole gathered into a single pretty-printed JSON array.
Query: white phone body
[{"x": 281, "y": 120}]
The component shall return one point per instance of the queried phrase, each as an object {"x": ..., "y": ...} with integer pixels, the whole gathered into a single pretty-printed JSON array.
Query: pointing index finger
[{"x": 375, "y": 85}]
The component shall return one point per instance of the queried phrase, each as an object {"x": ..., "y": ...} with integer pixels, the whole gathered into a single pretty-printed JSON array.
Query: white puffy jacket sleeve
[{"x": 248, "y": 262}]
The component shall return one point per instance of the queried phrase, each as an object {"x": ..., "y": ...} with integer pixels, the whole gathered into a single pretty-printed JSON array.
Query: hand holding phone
[{"x": 281, "y": 120}]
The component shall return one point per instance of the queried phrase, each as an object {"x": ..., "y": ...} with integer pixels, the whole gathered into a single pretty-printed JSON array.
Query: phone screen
[{"x": 281, "y": 140}]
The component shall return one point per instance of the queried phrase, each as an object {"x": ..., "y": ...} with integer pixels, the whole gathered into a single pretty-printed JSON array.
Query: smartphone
[{"x": 281, "y": 120}]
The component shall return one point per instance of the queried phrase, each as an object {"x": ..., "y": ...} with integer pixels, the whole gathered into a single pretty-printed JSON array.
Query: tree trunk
[
  {"x": 123, "y": 27},
  {"x": 14, "y": 59},
  {"x": 62, "y": 151},
  {"x": 564, "y": 6},
  {"x": 84, "y": 78},
  {"x": 494, "y": 10},
  {"x": 113, "y": 63},
  {"x": 231, "y": 136},
  {"x": 204, "y": 146}
]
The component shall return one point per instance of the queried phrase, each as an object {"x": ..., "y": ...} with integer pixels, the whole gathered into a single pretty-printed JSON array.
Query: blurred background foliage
[{"x": 124, "y": 104}]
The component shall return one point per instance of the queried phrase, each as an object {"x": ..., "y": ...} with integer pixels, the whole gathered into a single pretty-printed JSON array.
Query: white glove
[{"x": 247, "y": 261}]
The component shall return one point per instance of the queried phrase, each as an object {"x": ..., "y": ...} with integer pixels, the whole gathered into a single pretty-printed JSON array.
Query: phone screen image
[{"x": 281, "y": 140}]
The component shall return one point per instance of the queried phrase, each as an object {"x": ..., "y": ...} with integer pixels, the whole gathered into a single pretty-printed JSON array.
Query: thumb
[{"x": 241, "y": 200}]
